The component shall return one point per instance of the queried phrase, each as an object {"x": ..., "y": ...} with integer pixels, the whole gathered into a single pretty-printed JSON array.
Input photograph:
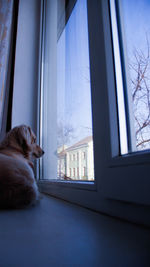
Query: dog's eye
[{"x": 33, "y": 140}]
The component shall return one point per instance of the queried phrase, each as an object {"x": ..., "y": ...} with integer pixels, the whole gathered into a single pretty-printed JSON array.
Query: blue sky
[
  {"x": 136, "y": 17},
  {"x": 73, "y": 80}
]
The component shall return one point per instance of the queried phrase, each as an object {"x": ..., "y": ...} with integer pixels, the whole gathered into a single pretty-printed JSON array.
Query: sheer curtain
[{"x": 6, "y": 14}]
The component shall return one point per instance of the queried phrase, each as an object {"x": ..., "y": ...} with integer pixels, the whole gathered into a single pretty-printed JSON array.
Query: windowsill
[
  {"x": 87, "y": 185},
  {"x": 56, "y": 233},
  {"x": 134, "y": 158}
]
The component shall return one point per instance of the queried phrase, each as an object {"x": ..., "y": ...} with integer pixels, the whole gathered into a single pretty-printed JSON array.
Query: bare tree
[
  {"x": 140, "y": 86},
  {"x": 65, "y": 133}
]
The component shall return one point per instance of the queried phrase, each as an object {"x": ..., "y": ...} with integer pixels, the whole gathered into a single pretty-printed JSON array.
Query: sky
[
  {"x": 136, "y": 27},
  {"x": 136, "y": 18},
  {"x": 73, "y": 76},
  {"x": 73, "y": 72}
]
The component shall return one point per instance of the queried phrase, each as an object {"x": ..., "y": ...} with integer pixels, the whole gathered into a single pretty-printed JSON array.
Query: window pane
[
  {"x": 135, "y": 33},
  {"x": 74, "y": 122},
  {"x": 119, "y": 81},
  {"x": 66, "y": 97},
  {"x": 6, "y": 10}
]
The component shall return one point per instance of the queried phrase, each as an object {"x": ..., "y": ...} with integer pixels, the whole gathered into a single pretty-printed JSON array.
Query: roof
[
  {"x": 62, "y": 153},
  {"x": 82, "y": 142}
]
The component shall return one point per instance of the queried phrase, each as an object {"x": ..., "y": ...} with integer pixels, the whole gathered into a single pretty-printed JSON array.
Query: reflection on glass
[
  {"x": 74, "y": 120},
  {"x": 6, "y": 12},
  {"x": 136, "y": 29}
]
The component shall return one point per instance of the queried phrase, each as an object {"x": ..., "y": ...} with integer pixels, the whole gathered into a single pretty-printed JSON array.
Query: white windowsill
[
  {"x": 74, "y": 184},
  {"x": 56, "y": 233}
]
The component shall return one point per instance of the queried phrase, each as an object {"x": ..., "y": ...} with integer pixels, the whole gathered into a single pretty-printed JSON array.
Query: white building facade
[{"x": 77, "y": 162}]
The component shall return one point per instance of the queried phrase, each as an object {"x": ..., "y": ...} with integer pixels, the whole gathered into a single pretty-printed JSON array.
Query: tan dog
[{"x": 18, "y": 188}]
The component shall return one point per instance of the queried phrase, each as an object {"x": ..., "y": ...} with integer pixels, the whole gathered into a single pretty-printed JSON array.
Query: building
[{"x": 77, "y": 162}]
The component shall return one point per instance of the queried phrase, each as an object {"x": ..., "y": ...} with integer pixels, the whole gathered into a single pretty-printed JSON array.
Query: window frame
[
  {"x": 116, "y": 176},
  {"x": 9, "y": 71}
]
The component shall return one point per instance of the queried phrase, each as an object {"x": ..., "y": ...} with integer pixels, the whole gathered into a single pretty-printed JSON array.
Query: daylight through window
[{"x": 67, "y": 134}]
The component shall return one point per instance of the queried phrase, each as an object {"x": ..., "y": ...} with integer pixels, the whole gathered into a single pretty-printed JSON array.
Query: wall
[{"x": 26, "y": 64}]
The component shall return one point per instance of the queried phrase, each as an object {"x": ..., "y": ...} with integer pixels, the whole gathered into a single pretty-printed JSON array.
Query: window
[
  {"x": 84, "y": 171},
  {"x": 71, "y": 98},
  {"x": 6, "y": 18},
  {"x": 117, "y": 174},
  {"x": 135, "y": 65}
]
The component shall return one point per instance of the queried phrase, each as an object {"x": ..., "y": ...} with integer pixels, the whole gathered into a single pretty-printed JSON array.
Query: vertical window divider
[
  {"x": 40, "y": 87},
  {"x": 125, "y": 78}
]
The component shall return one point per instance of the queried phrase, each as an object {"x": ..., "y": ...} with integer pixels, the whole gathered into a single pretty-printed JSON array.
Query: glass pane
[
  {"x": 6, "y": 10},
  {"x": 74, "y": 117},
  {"x": 135, "y": 30},
  {"x": 66, "y": 116},
  {"x": 119, "y": 81}
]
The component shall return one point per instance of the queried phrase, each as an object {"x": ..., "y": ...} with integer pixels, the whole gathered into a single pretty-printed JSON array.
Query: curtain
[{"x": 6, "y": 13}]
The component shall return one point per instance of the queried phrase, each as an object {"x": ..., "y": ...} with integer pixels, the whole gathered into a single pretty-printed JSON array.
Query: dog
[{"x": 18, "y": 187}]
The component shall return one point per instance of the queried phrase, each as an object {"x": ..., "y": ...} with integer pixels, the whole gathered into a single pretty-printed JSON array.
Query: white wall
[{"x": 24, "y": 109}]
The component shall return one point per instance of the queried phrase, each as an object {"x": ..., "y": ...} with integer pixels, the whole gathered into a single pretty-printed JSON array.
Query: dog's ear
[{"x": 23, "y": 137}]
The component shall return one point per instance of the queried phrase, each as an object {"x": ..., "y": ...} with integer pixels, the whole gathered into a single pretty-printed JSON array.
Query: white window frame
[{"x": 118, "y": 179}]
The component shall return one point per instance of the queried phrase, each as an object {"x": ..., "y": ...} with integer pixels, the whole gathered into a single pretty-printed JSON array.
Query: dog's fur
[{"x": 18, "y": 187}]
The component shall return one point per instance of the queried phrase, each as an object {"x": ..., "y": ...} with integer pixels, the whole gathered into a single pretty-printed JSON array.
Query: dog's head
[{"x": 24, "y": 139}]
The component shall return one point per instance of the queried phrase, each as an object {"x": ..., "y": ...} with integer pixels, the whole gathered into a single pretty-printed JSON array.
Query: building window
[
  {"x": 84, "y": 171},
  {"x": 70, "y": 172}
]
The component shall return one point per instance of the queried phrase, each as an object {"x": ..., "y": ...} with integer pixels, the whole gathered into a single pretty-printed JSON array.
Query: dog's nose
[{"x": 43, "y": 152}]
